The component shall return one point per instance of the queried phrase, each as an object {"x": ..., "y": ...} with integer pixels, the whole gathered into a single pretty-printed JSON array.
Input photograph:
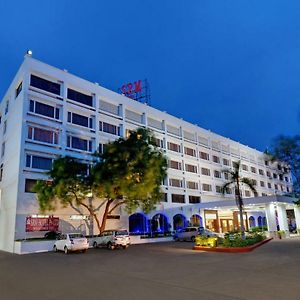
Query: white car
[
  {"x": 71, "y": 242},
  {"x": 112, "y": 239}
]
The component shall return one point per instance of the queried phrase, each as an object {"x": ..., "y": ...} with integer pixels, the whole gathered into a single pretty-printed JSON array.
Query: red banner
[{"x": 42, "y": 224}]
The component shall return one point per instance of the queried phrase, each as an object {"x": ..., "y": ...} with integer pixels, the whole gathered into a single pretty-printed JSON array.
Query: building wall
[{"x": 125, "y": 114}]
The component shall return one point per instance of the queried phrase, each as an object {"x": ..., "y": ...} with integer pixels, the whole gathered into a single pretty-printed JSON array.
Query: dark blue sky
[{"x": 230, "y": 66}]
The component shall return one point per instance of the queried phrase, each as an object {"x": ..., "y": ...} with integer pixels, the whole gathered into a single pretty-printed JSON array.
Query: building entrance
[{"x": 227, "y": 225}]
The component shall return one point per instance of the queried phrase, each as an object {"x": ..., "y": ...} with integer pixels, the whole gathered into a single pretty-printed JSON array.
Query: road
[{"x": 154, "y": 271}]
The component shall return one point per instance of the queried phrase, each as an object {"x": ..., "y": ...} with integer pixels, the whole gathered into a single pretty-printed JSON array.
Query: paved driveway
[{"x": 156, "y": 271}]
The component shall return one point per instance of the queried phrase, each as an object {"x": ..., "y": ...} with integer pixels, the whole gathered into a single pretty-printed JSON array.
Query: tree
[
  {"x": 129, "y": 173},
  {"x": 286, "y": 149},
  {"x": 70, "y": 184},
  {"x": 236, "y": 180}
]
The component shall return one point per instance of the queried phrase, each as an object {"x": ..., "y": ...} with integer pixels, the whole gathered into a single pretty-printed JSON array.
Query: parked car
[
  {"x": 186, "y": 234},
  {"x": 190, "y": 233},
  {"x": 208, "y": 233},
  {"x": 71, "y": 242},
  {"x": 52, "y": 235},
  {"x": 112, "y": 239}
]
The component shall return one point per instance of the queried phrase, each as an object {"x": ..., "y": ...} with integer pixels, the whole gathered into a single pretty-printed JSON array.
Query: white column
[
  {"x": 271, "y": 219},
  {"x": 202, "y": 215},
  {"x": 282, "y": 219},
  {"x": 297, "y": 216}
]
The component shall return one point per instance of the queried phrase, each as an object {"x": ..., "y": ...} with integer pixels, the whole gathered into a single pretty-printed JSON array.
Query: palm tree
[{"x": 236, "y": 180}]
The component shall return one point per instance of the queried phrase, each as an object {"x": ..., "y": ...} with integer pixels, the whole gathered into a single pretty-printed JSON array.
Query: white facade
[{"x": 38, "y": 125}]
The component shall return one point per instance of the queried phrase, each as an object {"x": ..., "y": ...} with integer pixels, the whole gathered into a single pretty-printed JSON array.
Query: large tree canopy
[
  {"x": 129, "y": 172},
  {"x": 287, "y": 149}
]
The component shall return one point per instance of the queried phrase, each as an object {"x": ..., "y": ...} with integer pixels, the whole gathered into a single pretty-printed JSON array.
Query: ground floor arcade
[{"x": 271, "y": 213}]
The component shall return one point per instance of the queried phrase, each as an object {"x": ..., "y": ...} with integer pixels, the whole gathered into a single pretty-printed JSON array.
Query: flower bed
[{"x": 231, "y": 243}]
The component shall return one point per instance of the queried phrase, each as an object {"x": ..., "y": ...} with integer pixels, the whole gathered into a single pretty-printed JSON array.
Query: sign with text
[
  {"x": 138, "y": 90},
  {"x": 42, "y": 224}
]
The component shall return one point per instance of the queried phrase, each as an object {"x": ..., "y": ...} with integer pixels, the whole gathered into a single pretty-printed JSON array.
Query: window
[
  {"x": 102, "y": 148},
  {"x": 176, "y": 182},
  {"x": 194, "y": 199},
  {"x": 164, "y": 197},
  {"x": 253, "y": 170},
  {"x": 276, "y": 186},
  {"x": 218, "y": 189},
  {"x": 217, "y": 174},
  {"x": 204, "y": 155},
  {"x": 274, "y": 175},
  {"x": 254, "y": 182},
  {"x": 38, "y": 162},
  {"x": 261, "y": 172},
  {"x": 216, "y": 159},
  {"x": 176, "y": 198},
  {"x": 29, "y": 185},
  {"x": 226, "y": 175},
  {"x": 191, "y": 168},
  {"x": 279, "y": 167},
  {"x": 205, "y": 171},
  {"x": 44, "y": 109},
  {"x": 287, "y": 188},
  {"x": 18, "y": 89},
  {"x": 268, "y": 173},
  {"x": 109, "y": 128},
  {"x": 80, "y": 97},
  {"x": 192, "y": 185},
  {"x": 206, "y": 187},
  {"x": 159, "y": 142},
  {"x": 235, "y": 164},
  {"x": 286, "y": 179},
  {"x": 244, "y": 167},
  {"x": 189, "y": 151},
  {"x": 266, "y": 162},
  {"x": 80, "y": 144},
  {"x": 46, "y": 85},
  {"x": 173, "y": 147},
  {"x": 247, "y": 193},
  {"x": 228, "y": 191},
  {"x": 3, "y": 149},
  {"x": 269, "y": 185},
  {"x": 4, "y": 126},
  {"x": 80, "y": 120},
  {"x": 1, "y": 172},
  {"x": 285, "y": 169},
  {"x": 225, "y": 162},
  {"x": 42, "y": 135},
  {"x": 174, "y": 165},
  {"x": 262, "y": 183},
  {"x": 281, "y": 177},
  {"x": 6, "y": 107}
]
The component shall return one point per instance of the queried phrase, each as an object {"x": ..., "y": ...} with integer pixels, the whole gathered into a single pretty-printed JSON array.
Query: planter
[
  {"x": 136, "y": 239},
  {"x": 25, "y": 247},
  {"x": 232, "y": 249}
]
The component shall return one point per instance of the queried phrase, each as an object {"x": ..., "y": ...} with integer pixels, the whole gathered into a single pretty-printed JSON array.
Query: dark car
[{"x": 52, "y": 235}]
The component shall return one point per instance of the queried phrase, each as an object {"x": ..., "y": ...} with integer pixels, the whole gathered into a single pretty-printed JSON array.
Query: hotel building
[{"x": 47, "y": 112}]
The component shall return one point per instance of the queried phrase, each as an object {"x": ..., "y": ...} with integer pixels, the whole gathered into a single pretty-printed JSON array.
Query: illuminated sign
[
  {"x": 41, "y": 224},
  {"x": 138, "y": 90}
]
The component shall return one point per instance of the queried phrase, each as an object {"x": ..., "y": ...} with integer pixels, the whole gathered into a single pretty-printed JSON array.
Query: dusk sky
[{"x": 230, "y": 66}]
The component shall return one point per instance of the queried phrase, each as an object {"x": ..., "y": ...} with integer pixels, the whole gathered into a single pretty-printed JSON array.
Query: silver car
[
  {"x": 186, "y": 234},
  {"x": 112, "y": 239}
]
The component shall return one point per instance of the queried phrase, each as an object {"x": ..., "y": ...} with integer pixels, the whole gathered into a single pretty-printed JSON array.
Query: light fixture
[{"x": 29, "y": 52}]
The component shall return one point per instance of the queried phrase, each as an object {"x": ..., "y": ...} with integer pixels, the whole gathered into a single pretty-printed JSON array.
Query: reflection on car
[{"x": 71, "y": 242}]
